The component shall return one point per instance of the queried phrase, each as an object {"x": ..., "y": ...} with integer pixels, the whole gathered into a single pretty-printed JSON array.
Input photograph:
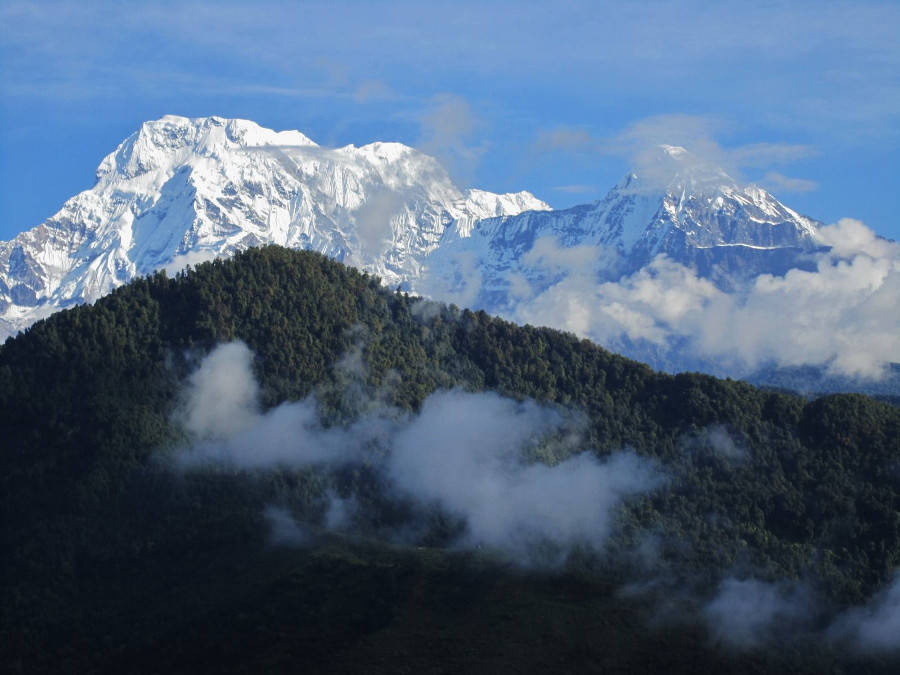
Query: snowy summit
[{"x": 179, "y": 191}]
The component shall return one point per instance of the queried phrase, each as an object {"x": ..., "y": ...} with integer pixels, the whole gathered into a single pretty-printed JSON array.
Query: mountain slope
[
  {"x": 182, "y": 190},
  {"x": 681, "y": 207},
  {"x": 115, "y": 560}
]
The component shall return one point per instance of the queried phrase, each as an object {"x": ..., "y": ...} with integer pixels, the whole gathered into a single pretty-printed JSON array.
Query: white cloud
[
  {"x": 373, "y": 222},
  {"x": 843, "y": 314},
  {"x": 747, "y": 613},
  {"x": 459, "y": 281},
  {"x": 469, "y": 454},
  {"x": 644, "y": 306},
  {"x": 849, "y": 237},
  {"x": 284, "y": 529},
  {"x": 874, "y": 627},
  {"x": 189, "y": 259},
  {"x": 464, "y": 452},
  {"x": 639, "y": 144},
  {"x": 548, "y": 254},
  {"x": 222, "y": 394},
  {"x": 447, "y": 127},
  {"x": 761, "y": 155},
  {"x": 778, "y": 182},
  {"x": 717, "y": 439}
]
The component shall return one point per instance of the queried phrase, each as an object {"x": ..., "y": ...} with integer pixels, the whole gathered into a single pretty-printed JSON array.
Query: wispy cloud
[
  {"x": 448, "y": 125},
  {"x": 778, "y": 182},
  {"x": 638, "y": 144},
  {"x": 747, "y": 613},
  {"x": 373, "y": 90},
  {"x": 874, "y": 627},
  {"x": 840, "y": 315},
  {"x": 803, "y": 54},
  {"x": 761, "y": 155},
  {"x": 813, "y": 74},
  {"x": 566, "y": 139}
]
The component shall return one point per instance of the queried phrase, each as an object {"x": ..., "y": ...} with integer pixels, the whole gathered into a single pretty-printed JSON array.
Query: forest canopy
[{"x": 750, "y": 486}]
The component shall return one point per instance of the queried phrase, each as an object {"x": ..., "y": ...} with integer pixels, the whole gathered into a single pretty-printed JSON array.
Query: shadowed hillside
[{"x": 118, "y": 557}]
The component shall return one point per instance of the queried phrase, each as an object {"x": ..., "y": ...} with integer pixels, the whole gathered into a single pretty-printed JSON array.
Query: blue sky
[{"x": 803, "y": 97}]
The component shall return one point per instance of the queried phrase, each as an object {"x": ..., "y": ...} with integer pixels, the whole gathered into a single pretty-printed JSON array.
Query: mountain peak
[
  {"x": 213, "y": 129},
  {"x": 678, "y": 170},
  {"x": 172, "y": 138},
  {"x": 672, "y": 171},
  {"x": 674, "y": 151},
  {"x": 181, "y": 190},
  {"x": 673, "y": 190}
]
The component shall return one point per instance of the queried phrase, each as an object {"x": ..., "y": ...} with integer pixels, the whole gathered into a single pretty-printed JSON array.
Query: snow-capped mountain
[
  {"x": 181, "y": 190},
  {"x": 680, "y": 265},
  {"x": 680, "y": 206}
]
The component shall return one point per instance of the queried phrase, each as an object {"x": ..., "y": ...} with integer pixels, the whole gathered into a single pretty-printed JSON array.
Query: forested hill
[{"x": 116, "y": 558}]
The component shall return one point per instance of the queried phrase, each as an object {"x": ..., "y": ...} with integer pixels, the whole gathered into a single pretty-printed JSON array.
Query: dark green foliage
[{"x": 108, "y": 558}]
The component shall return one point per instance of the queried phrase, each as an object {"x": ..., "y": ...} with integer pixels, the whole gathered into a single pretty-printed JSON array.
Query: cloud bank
[
  {"x": 843, "y": 314},
  {"x": 471, "y": 456}
]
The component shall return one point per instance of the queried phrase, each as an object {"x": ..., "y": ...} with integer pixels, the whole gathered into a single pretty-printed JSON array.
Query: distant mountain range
[
  {"x": 179, "y": 191},
  {"x": 698, "y": 216}
]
